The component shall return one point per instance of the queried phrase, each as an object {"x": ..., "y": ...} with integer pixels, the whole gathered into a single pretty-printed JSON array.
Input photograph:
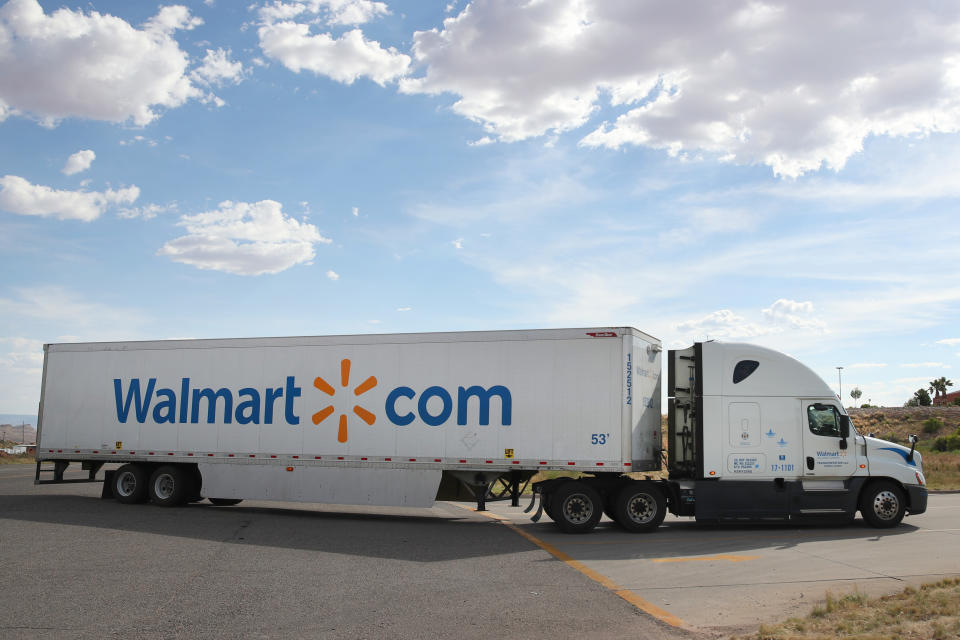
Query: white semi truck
[{"x": 407, "y": 419}]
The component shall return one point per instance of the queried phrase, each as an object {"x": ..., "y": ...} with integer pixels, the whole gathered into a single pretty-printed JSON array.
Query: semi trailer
[{"x": 407, "y": 419}]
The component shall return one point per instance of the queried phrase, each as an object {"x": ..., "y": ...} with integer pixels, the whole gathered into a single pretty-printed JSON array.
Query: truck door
[
  {"x": 829, "y": 462},
  {"x": 823, "y": 447}
]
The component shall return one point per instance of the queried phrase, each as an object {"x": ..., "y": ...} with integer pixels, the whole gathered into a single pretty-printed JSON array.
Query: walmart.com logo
[
  {"x": 434, "y": 406},
  {"x": 362, "y": 388}
]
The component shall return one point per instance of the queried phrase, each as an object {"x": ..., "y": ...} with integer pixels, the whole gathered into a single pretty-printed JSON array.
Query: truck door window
[
  {"x": 743, "y": 370},
  {"x": 824, "y": 420}
]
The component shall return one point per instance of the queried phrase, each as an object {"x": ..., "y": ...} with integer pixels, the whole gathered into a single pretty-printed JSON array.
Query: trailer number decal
[
  {"x": 508, "y": 453},
  {"x": 599, "y": 438}
]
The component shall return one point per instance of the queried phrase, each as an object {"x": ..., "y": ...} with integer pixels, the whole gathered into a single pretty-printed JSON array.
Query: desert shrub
[
  {"x": 947, "y": 443},
  {"x": 932, "y": 425}
]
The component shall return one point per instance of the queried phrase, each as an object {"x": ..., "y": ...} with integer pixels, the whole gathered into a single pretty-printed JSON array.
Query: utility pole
[{"x": 840, "y": 381}]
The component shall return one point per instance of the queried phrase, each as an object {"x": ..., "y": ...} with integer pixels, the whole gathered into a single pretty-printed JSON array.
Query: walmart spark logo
[{"x": 362, "y": 388}]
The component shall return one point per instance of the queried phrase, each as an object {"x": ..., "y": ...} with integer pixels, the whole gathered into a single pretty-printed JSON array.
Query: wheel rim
[
  {"x": 163, "y": 486},
  {"x": 578, "y": 508},
  {"x": 886, "y": 505},
  {"x": 642, "y": 508},
  {"x": 126, "y": 484}
]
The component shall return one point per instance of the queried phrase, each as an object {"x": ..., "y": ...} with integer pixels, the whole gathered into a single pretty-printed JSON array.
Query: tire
[
  {"x": 224, "y": 502},
  {"x": 577, "y": 507},
  {"x": 129, "y": 484},
  {"x": 170, "y": 486},
  {"x": 639, "y": 507},
  {"x": 883, "y": 504}
]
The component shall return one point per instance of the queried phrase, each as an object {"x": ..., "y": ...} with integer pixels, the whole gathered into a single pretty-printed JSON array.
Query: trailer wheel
[
  {"x": 640, "y": 507},
  {"x": 577, "y": 507},
  {"x": 129, "y": 484},
  {"x": 224, "y": 502},
  {"x": 883, "y": 504},
  {"x": 170, "y": 486}
]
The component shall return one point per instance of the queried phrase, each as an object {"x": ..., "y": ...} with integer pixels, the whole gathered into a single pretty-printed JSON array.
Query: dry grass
[
  {"x": 942, "y": 470},
  {"x": 932, "y": 611},
  {"x": 26, "y": 458}
]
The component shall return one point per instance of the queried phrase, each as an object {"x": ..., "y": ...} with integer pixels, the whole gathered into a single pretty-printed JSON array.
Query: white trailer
[{"x": 407, "y": 419}]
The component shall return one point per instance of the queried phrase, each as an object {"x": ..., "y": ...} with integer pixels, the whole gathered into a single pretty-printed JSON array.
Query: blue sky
[{"x": 768, "y": 172}]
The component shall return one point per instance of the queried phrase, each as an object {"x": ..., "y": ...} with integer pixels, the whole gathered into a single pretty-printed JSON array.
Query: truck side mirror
[{"x": 844, "y": 426}]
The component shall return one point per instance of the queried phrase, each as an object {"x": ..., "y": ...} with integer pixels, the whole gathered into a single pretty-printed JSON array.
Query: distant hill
[
  {"x": 18, "y": 433},
  {"x": 898, "y": 423},
  {"x": 17, "y": 418}
]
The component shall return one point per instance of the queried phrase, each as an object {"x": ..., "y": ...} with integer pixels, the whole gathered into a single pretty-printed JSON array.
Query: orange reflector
[
  {"x": 289, "y": 468},
  {"x": 713, "y": 473},
  {"x": 863, "y": 466}
]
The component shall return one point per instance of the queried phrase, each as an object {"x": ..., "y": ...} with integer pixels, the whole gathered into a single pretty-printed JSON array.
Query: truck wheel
[
  {"x": 224, "y": 502},
  {"x": 129, "y": 484},
  {"x": 170, "y": 486},
  {"x": 882, "y": 504},
  {"x": 577, "y": 507},
  {"x": 640, "y": 507}
]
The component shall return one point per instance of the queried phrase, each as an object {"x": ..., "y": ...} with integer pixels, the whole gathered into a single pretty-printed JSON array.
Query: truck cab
[{"x": 755, "y": 435}]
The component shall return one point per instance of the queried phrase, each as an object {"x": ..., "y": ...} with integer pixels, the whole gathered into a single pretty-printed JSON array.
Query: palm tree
[
  {"x": 939, "y": 386},
  {"x": 855, "y": 394}
]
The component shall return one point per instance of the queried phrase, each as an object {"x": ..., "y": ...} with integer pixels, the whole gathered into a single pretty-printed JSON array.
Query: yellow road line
[
  {"x": 729, "y": 558},
  {"x": 626, "y": 594}
]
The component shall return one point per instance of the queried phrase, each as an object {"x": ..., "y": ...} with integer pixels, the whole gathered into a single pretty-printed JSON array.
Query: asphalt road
[
  {"x": 727, "y": 579},
  {"x": 72, "y": 564}
]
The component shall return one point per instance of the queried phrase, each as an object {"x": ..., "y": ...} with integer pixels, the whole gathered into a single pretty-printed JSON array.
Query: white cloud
[
  {"x": 949, "y": 341},
  {"x": 333, "y": 275},
  {"x": 722, "y": 324},
  {"x": 92, "y": 65},
  {"x": 796, "y": 315},
  {"x": 926, "y": 365},
  {"x": 217, "y": 69},
  {"x": 458, "y": 243},
  {"x": 355, "y": 211},
  {"x": 19, "y": 196},
  {"x": 330, "y": 12},
  {"x": 79, "y": 161},
  {"x": 781, "y": 316},
  {"x": 740, "y": 80},
  {"x": 245, "y": 239},
  {"x": 402, "y": 309},
  {"x": 147, "y": 211},
  {"x": 867, "y": 365},
  {"x": 343, "y": 59}
]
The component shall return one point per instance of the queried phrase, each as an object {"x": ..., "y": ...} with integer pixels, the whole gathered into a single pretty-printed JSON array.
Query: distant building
[
  {"x": 948, "y": 399},
  {"x": 20, "y": 449}
]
